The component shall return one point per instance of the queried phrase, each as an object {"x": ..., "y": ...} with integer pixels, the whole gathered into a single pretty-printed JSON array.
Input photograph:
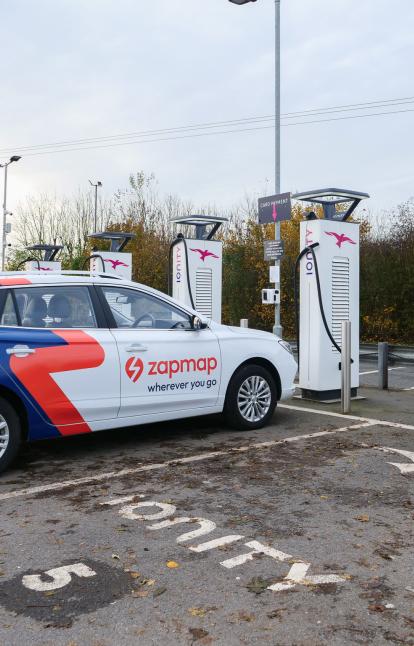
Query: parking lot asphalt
[
  {"x": 189, "y": 533},
  {"x": 400, "y": 376}
]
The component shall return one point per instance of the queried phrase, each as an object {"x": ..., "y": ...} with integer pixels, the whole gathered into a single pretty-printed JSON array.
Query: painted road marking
[
  {"x": 129, "y": 510},
  {"x": 373, "y": 372},
  {"x": 76, "y": 589},
  {"x": 61, "y": 576},
  {"x": 110, "y": 475},
  {"x": 403, "y": 467},
  {"x": 206, "y": 527},
  {"x": 256, "y": 549},
  {"x": 215, "y": 543},
  {"x": 297, "y": 574},
  {"x": 372, "y": 422}
]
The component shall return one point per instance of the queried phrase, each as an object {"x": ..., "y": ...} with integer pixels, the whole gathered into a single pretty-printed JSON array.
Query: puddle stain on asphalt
[{"x": 59, "y": 608}]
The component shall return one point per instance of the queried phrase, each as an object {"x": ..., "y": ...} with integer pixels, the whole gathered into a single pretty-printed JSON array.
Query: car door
[
  {"x": 166, "y": 366},
  {"x": 59, "y": 356}
]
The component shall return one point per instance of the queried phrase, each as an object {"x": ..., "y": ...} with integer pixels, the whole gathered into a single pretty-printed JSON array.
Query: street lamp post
[
  {"x": 277, "y": 328},
  {"x": 95, "y": 219},
  {"x": 14, "y": 158}
]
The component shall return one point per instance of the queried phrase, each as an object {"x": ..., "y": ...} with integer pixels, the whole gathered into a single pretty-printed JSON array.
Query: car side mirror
[{"x": 197, "y": 323}]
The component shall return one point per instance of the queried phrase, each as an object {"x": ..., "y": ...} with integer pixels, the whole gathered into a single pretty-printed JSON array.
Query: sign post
[{"x": 275, "y": 209}]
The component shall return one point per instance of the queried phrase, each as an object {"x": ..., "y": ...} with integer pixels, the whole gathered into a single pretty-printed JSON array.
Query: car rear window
[{"x": 50, "y": 307}]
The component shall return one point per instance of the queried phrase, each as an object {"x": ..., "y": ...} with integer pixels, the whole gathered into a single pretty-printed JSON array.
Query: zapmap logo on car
[{"x": 202, "y": 367}]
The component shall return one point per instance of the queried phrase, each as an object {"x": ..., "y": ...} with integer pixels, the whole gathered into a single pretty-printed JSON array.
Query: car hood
[{"x": 246, "y": 331}]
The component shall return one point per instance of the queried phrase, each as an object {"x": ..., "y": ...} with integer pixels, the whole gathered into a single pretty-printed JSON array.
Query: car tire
[
  {"x": 251, "y": 398},
  {"x": 10, "y": 434}
]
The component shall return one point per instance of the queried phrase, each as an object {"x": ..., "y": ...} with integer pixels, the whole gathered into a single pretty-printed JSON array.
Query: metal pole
[
  {"x": 96, "y": 209},
  {"x": 277, "y": 329},
  {"x": 3, "y": 237},
  {"x": 383, "y": 366},
  {"x": 346, "y": 367}
]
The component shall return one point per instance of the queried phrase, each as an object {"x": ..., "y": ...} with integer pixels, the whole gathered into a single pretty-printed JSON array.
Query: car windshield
[{"x": 137, "y": 309}]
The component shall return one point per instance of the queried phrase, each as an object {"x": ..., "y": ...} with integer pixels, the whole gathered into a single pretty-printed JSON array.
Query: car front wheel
[
  {"x": 10, "y": 434},
  {"x": 251, "y": 398}
]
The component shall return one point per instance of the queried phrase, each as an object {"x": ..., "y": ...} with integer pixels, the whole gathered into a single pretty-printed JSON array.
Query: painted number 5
[{"x": 60, "y": 576}]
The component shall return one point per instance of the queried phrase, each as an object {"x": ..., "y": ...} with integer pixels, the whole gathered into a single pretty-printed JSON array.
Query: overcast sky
[{"x": 76, "y": 69}]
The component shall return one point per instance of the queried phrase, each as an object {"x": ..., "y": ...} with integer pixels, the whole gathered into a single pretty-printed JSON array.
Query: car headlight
[{"x": 286, "y": 346}]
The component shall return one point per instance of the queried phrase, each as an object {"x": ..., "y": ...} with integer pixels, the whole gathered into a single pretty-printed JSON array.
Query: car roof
[
  {"x": 26, "y": 278},
  {"x": 36, "y": 277}
]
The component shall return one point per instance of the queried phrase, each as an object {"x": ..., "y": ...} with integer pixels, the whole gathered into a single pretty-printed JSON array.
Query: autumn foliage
[{"x": 387, "y": 253}]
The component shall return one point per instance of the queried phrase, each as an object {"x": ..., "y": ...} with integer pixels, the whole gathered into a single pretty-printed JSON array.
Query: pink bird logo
[
  {"x": 115, "y": 263},
  {"x": 340, "y": 238},
  {"x": 274, "y": 212},
  {"x": 204, "y": 254}
]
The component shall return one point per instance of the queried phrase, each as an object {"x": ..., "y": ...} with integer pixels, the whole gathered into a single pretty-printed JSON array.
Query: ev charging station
[
  {"x": 48, "y": 262},
  {"x": 196, "y": 265},
  {"x": 329, "y": 292},
  {"x": 115, "y": 261}
]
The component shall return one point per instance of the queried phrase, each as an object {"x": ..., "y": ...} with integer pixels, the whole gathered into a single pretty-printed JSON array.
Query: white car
[{"x": 83, "y": 352}]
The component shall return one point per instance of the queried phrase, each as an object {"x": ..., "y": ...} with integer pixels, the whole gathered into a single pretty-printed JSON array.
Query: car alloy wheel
[
  {"x": 4, "y": 436},
  {"x": 254, "y": 398}
]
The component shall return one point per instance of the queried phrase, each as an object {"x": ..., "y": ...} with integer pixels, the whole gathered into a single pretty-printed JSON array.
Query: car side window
[
  {"x": 9, "y": 316},
  {"x": 55, "y": 307},
  {"x": 134, "y": 309}
]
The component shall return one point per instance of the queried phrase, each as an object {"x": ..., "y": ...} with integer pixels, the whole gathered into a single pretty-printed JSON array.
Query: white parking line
[
  {"x": 110, "y": 475},
  {"x": 372, "y": 372},
  {"x": 404, "y": 468},
  {"x": 372, "y": 422}
]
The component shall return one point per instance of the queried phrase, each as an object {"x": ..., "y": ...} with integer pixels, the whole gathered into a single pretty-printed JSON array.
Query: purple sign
[{"x": 275, "y": 208}]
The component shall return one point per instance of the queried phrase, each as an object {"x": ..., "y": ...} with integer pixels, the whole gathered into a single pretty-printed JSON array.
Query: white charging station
[
  {"x": 114, "y": 261},
  {"x": 333, "y": 266},
  {"x": 48, "y": 262},
  {"x": 196, "y": 265}
]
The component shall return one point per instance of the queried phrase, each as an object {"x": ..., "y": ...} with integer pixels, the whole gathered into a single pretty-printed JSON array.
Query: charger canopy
[
  {"x": 118, "y": 239},
  {"x": 49, "y": 250},
  {"x": 205, "y": 226},
  {"x": 329, "y": 198}
]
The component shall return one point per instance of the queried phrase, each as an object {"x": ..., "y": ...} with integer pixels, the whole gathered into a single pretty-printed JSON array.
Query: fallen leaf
[
  {"x": 376, "y": 607},
  {"x": 198, "y": 633},
  {"x": 158, "y": 592},
  {"x": 141, "y": 594},
  {"x": 135, "y": 575},
  {"x": 197, "y": 612},
  {"x": 384, "y": 554},
  {"x": 245, "y": 616},
  {"x": 276, "y": 614},
  {"x": 172, "y": 564},
  {"x": 258, "y": 585},
  {"x": 363, "y": 518}
]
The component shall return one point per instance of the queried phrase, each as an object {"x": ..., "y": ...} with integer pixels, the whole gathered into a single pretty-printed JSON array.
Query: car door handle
[
  {"x": 137, "y": 347},
  {"x": 20, "y": 351}
]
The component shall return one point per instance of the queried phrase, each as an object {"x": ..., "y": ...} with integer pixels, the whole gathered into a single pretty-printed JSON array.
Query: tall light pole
[
  {"x": 14, "y": 158},
  {"x": 277, "y": 328},
  {"x": 95, "y": 219}
]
